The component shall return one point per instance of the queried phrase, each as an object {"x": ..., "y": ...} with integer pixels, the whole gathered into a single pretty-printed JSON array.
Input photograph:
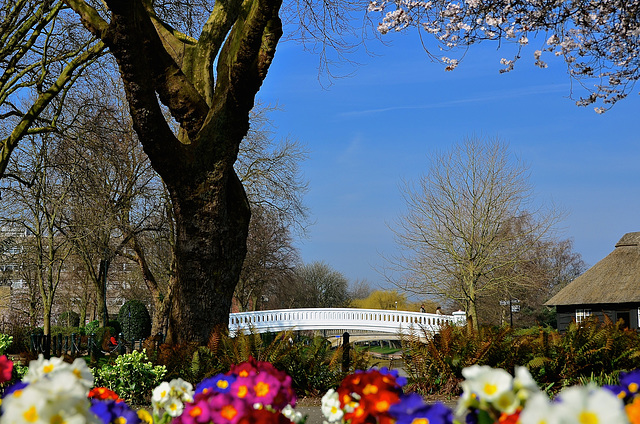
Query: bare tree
[
  {"x": 269, "y": 263},
  {"x": 42, "y": 55},
  {"x": 317, "y": 285},
  {"x": 36, "y": 196},
  {"x": 457, "y": 234},
  {"x": 270, "y": 170},
  {"x": 115, "y": 193}
]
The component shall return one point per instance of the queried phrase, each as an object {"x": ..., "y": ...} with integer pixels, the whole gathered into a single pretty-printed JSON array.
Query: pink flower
[
  {"x": 6, "y": 367},
  {"x": 227, "y": 409}
]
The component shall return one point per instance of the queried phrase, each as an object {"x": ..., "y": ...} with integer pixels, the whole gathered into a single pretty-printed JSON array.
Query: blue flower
[
  {"x": 630, "y": 382},
  {"x": 400, "y": 381},
  {"x": 220, "y": 383},
  {"x": 412, "y": 407},
  {"x": 17, "y": 386},
  {"x": 112, "y": 411}
]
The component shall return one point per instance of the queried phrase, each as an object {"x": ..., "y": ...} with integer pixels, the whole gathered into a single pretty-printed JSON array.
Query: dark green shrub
[
  {"x": 135, "y": 320},
  {"x": 69, "y": 319}
]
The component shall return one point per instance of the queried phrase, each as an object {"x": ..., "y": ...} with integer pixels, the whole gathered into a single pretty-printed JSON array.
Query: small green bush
[
  {"x": 135, "y": 320},
  {"x": 69, "y": 319},
  {"x": 92, "y": 327},
  {"x": 5, "y": 342},
  {"x": 65, "y": 331},
  {"x": 132, "y": 376}
]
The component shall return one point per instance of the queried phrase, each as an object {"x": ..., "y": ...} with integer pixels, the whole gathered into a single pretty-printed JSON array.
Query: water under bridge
[{"x": 367, "y": 324}]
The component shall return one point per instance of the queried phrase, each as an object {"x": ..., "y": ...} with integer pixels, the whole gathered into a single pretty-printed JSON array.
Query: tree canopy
[{"x": 599, "y": 40}]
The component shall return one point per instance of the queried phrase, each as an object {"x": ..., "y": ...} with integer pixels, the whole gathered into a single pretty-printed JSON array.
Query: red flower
[
  {"x": 102, "y": 393},
  {"x": 373, "y": 392},
  {"x": 6, "y": 366},
  {"x": 262, "y": 416},
  {"x": 509, "y": 418}
]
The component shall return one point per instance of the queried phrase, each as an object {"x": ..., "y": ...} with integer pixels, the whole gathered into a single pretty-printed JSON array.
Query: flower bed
[{"x": 56, "y": 392}]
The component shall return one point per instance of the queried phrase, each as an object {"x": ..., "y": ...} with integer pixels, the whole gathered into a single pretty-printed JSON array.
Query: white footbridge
[{"x": 376, "y": 320}]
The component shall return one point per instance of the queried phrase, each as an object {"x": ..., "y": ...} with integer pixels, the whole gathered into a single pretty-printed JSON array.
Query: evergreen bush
[{"x": 134, "y": 320}]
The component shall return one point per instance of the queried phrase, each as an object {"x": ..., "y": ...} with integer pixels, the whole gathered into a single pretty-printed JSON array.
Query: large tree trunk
[
  {"x": 212, "y": 107},
  {"x": 212, "y": 222}
]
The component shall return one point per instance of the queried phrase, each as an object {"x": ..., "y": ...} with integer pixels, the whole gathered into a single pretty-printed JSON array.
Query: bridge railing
[{"x": 340, "y": 318}]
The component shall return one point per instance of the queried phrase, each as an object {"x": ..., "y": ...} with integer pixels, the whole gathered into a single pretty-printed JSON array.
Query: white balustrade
[{"x": 339, "y": 319}]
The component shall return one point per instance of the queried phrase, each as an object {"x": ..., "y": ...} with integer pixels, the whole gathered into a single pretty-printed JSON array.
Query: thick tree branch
[
  {"x": 90, "y": 17},
  {"x": 199, "y": 60},
  {"x": 242, "y": 66},
  {"x": 141, "y": 54}
]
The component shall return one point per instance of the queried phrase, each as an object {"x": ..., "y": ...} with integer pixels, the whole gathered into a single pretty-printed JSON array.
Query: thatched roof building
[{"x": 611, "y": 287}]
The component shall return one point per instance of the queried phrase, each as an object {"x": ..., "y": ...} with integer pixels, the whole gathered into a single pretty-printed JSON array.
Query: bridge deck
[{"x": 396, "y": 322}]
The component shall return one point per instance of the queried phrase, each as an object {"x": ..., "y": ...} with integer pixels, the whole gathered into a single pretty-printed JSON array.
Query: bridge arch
[{"x": 386, "y": 321}]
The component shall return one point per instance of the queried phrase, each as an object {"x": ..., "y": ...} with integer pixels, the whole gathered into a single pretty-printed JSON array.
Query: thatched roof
[{"x": 615, "y": 279}]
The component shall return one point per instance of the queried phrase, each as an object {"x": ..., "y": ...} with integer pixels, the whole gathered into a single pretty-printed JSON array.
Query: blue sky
[{"x": 370, "y": 131}]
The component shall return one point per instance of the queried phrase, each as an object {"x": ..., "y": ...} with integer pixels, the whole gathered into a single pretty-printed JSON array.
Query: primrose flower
[
  {"x": 48, "y": 368},
  {"x": 6, "y": 367},
  {"x": 589, "y": 404},
  {"x": 40, "y": 368},
  {"x": 57, "y": 398},
  {"x": 263, "y": 416},
  {"x": 412, "y": 409},
  {"x": 630, "y": 383},
  {"x": 169, "y": 397},
  {"x": 293, "y": 415},
  {"x": 633, "y": 411},
  {"x": 539, "y": 410},
  {"x": 331, "y": 407},
  {"x": 486, "y": 383},
  {"x": 112, "y": 411},
  {"x": 524, "y": 384},
  {"x": 102, "y": 393},
  {"x": 220, "y": 383}
]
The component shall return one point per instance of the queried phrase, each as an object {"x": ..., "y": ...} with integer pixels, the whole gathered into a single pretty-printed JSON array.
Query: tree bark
[{"x": 212, "y": 227}]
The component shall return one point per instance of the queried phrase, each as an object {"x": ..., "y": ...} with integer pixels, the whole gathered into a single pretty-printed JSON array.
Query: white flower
[
  {"x": 524, "y": 385},
  {"x": 174, "y": 407},
  {"x": 523, "y": 40},
  {"x": 82, "y": 372},
  {"x": 181, "y": 389},
  {"x": 589, "y": 404},
  {"x": 292, "y": 415},
  {"x": 486, "y": 383},
  {"x": 55, "y": 397},
  {"x": 41, "y": 368},
  {"x": 507, "y": 402},
  {"x": 160, "y": 397},
  {"x": 553, "y": 40},
  {"x": 538, "y": 410},
  {"x": 331, "y": 407}
]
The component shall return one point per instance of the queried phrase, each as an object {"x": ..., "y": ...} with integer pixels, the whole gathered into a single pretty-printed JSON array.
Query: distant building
[
  {"x": 18, "y": 285},
  {"x": 609, "y": 288}
]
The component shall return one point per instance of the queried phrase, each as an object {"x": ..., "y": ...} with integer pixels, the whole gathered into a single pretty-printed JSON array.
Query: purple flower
[
  {"x": 111, "y": 411},
  {"x": 629, "y": 386},
  {"x": 17, "y": 386},
  {"x": 220, "y": 383},
  {"x": 630, "y": 382},
  {"x": 400, "y": 381},
  {"x": 412, "y": 406}
]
